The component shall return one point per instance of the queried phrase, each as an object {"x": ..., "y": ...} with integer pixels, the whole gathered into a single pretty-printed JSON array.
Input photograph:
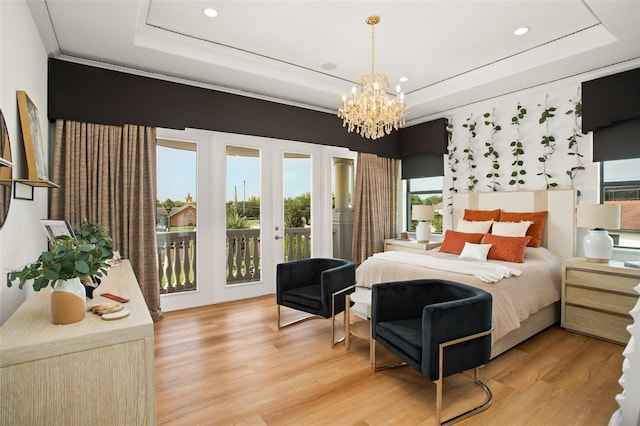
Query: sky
[{"x": 177, "y": 176}]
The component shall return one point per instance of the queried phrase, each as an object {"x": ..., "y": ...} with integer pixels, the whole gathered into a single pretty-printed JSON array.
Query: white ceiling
[{"x": 309, "y": 53}]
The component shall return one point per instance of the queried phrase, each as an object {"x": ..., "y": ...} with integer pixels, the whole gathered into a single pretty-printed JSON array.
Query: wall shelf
[{"x": 20, "y": 194}]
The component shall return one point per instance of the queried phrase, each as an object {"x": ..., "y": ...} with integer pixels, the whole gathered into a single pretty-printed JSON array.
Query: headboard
[{"x": 559, "y": 234}]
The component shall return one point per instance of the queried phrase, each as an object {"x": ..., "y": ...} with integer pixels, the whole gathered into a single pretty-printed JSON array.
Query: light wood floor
[{"x": 229, "y": 365}]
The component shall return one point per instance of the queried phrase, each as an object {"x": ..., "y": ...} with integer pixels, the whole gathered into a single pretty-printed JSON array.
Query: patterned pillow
[
  {"x": 510, "y": 249},
  {"x": 454, "y": 241},
  {"x": 536, "y": 228},
  {"x": 481, "y": 214}
]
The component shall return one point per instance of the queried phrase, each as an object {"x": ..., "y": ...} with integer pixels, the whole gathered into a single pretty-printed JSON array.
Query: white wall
[
  {"x": 23, "y": 66},
  {"x": 558, "y": 94}
]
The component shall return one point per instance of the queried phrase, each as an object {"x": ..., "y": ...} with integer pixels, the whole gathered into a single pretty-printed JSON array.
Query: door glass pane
[
  {"x": 243, "y": 215},
  {"x": 297, "y": 205},
  {"x": 342, "y": 207},
  {"x": 176, "y": 218}
]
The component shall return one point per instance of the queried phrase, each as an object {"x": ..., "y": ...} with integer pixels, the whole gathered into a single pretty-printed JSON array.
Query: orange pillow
[
  {"x": 510, "y": 249},
  {"x": 481, "y": 215},
  {"x": 454, "y": 241},
  {"x": 535, "y": 229}
]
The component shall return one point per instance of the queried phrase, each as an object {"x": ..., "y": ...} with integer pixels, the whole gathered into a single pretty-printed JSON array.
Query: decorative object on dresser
[
  {"x": 92, "y": 372},
  {"x": 597, "y": 244},
  {"x": 68, "y": 261},
  {"x": 597, "y": 298},
  {"x": 423, "y": 214}
]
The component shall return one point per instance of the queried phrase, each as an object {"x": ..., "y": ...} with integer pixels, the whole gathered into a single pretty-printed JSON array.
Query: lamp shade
[
  {"x": 421, "y": 212},
  {"x": 604, "y": 216}
]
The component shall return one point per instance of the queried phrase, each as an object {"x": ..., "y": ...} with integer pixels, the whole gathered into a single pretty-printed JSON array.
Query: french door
[{"x": 260, "y": 202}]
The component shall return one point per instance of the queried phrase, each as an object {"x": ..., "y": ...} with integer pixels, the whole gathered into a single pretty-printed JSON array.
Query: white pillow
[
  {"x": 511, "y": 229},
  {"x": 475, "y": 251},
  {"x": 475, "y": 227}
]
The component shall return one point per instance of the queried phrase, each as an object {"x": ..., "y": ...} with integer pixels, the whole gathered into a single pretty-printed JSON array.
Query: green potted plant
[
  {"x": 93, "y": 233},
  {"x": 67, "y": 262}
]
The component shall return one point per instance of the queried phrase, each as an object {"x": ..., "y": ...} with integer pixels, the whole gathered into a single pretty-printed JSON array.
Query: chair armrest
[
  {"x": 447, "y": 321},
  {"x": 337, "y": 278}
]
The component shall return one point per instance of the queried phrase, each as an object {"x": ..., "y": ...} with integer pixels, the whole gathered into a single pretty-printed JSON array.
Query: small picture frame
[{"x": 56, "y": 228}]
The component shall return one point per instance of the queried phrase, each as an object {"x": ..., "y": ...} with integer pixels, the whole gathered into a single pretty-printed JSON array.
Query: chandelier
[{"x": 373, "y": 113}]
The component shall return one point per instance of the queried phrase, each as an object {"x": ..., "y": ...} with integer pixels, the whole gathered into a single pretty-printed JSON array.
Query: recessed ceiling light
[
  {"x": 210, "y": 12},
  {"x": 403, "y": 79},
  {"x": 328, "y": 66},
  {"x": 521, "y": 31}
]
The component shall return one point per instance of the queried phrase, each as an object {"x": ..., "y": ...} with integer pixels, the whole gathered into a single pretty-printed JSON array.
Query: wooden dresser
[
  {"x": 597, "y": 298},
  {"x": 410, "y": 246},
  {"x": 92, "y": 372}
]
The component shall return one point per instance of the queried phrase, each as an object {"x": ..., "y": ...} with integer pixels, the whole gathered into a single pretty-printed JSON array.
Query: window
[
  {"x": 425, "y": 191},
  {"x": 620, "y": 184}
]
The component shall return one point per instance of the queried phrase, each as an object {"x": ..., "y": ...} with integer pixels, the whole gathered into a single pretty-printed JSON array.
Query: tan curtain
[
  {"x": 375, "y": 206},
  {"x": 107, "y": 175}
]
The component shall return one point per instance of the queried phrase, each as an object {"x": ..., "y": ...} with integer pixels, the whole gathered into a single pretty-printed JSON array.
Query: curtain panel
[
  {"x": 375, "y": 204},
  {"x": 107, "y": 175}
]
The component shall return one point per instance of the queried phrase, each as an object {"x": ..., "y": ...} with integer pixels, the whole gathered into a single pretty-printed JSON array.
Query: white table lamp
[
  {"x": 422, "y": 213},
  {"x": 597, "y": 244}
]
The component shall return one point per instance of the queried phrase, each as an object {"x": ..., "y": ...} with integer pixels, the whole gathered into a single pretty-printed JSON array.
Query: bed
[{"x": 525, "y": 295}]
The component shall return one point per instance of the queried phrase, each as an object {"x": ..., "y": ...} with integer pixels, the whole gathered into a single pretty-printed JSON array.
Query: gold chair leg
[
  {"x": 334, "y": 342},
  {"x": 374, "y": 362},
  {"x": 486, "y": 404},
  {"x": 347, "y": 321},
  {"x": 297, "y": 321}
]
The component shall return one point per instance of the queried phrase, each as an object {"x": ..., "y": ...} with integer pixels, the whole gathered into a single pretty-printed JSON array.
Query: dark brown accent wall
[
  {"x": 97, "y": 95},
  {"x": 611, "y": 109},
  {"x": 609, "y": 99},
  {"x": 429, "y": 137}
]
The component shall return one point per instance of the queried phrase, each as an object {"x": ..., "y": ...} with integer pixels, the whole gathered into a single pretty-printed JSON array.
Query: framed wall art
[
  {"x": 56, "y": 228},
  {"x": 32, "y": 137}
]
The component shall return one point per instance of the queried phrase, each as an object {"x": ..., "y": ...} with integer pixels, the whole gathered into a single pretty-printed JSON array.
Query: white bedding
[
  {"x": 489, "y": 272},
  {"x": 515, "y": 298}
]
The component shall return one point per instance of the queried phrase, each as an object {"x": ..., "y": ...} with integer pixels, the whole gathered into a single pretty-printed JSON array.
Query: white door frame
[{"x": 211, "y": 216}]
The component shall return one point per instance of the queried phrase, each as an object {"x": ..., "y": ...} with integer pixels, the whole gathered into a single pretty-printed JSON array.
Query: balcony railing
[
  {"x": 176, "y": 261},
  {"x": 177, "y": 256}
]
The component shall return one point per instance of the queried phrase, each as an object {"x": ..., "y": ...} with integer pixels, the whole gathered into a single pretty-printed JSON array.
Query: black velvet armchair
[
  {"x": 317, "y": 286},
  {"x": 438, "y": 327}
]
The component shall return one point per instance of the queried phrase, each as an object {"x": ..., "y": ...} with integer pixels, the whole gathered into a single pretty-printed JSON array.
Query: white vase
[
  {"x": 68, "y": 302},
  {"x": 598, "y": 246}
]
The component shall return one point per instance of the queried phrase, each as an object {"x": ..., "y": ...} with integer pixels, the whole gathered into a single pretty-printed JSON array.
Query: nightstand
[
  {"x": 411, "y": 246},
  {"x": 597, "y": 298}
]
